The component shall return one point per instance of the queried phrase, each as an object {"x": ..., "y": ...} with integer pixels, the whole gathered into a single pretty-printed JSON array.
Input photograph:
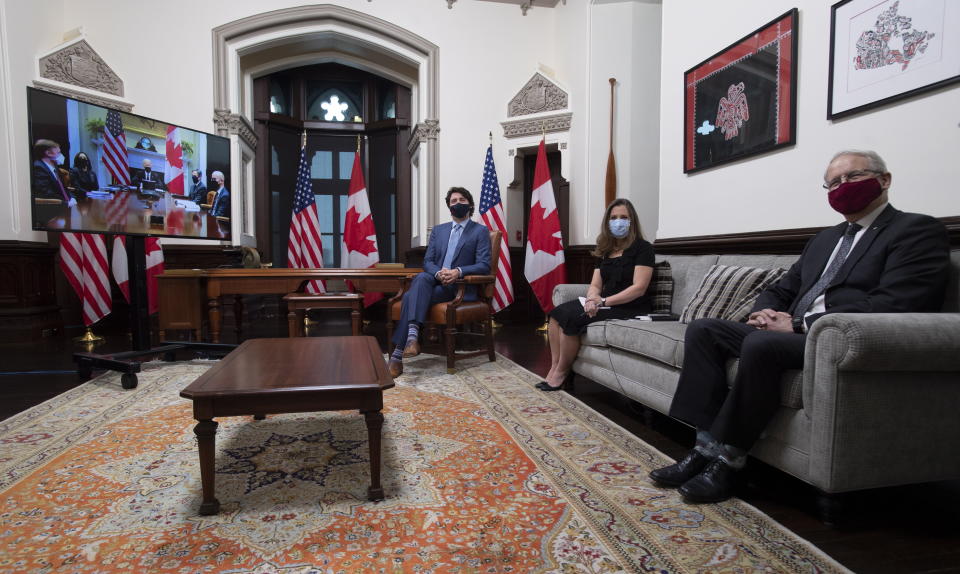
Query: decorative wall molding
[
  {"x": 79, "y": 64},
  {"x": 537, "y": 96},
  {"x": 538, "y": 125},
  {"x": 229, "y": 123},
  {"x": 424, "y": 131},
  {"x": 83, "y": 95}
]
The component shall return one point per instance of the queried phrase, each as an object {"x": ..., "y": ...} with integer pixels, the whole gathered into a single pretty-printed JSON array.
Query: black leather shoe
[
  {"x": 714, "y": 484},
  {"x": 682, "y": 470},
  {"x": 545, "y": 386}
]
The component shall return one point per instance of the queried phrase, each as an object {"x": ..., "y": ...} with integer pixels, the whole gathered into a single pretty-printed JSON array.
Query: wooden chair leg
[
  {"x": 450, "y": 336},
  {"x": 488, "y": 331}
]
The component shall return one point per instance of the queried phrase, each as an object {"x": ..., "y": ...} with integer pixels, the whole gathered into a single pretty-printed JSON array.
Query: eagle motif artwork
[{"x": 732, "y": 111}]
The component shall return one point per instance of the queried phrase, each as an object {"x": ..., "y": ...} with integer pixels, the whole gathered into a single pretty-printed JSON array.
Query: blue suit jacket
[
  {"x": 473, "y": 251},
  {"x": 221, "y": 205}
]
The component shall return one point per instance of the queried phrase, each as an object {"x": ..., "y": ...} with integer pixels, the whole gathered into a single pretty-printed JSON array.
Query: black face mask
[
  {"x": 459, "y": 210},
  {"x": 196, "y": 179}
]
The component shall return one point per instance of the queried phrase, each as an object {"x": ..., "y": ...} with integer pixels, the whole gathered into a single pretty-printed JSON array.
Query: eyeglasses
[{"x": 856, "y": 175}]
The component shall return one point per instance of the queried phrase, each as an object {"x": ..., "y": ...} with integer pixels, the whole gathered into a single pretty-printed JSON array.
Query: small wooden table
[
  {"x": 299, "y": 303},
  {"x": 264, "y": 376}
]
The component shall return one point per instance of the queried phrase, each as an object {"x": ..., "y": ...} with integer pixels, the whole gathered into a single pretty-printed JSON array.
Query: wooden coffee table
[{"x": 264, "y": 376}]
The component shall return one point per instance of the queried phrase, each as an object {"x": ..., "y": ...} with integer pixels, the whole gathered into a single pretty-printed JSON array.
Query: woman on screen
[{"x": 84, "y": 179}]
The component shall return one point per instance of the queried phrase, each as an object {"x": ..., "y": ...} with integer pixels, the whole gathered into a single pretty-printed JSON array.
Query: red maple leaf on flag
[
  {"x": 358, "y": 232},
  {"x": 541, "y": 237}
]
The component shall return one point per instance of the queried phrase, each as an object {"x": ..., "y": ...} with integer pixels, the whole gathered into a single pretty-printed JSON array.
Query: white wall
[
  {"x": 919, "y": 138},
  {"x": 488, "y": 51}
]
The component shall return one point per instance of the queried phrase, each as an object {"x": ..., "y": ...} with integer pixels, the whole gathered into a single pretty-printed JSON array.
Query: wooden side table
[{"x": 299, "y": 303}]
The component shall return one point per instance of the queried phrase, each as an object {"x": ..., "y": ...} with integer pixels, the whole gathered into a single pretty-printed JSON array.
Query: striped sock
[
  {"x": 413, "y": 332},
  {"x": 397, "y": 354}
]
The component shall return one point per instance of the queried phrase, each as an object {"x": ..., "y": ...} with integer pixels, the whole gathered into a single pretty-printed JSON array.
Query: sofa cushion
[
  {"x": 728, "y": 292},
  {"x": 687, "y": 271},
  {"x": 658, "y": 340},
  {"x": 661, "y": 287}
]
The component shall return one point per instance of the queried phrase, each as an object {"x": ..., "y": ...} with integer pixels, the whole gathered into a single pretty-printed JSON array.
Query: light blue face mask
[{"x": 619, "y": 227}]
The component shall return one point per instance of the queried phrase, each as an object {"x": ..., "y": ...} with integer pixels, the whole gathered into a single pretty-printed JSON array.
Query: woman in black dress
[
  {"x": 82, "y": 175},
  {"x": 618, "y": 289}
]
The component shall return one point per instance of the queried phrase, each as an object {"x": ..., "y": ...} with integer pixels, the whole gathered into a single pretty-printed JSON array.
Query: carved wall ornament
[
  {"x": 228, "y": 123},
  {"x": 427, "y": 130},
  {"x": 78, "y": 64},
  {"x": 537, "y": 96},
  {"x": 534, "y": 126}
]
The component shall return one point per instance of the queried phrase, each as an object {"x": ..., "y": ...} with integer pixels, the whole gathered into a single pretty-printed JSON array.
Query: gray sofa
[{"x": 876, "y": 404}]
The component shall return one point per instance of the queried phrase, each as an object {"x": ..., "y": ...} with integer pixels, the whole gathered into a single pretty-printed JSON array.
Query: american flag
[
  {"x": 115, "y": 149},
  {"x": 491, "y": 212},
  {"x": 83, "y": 259},
  {"x": 304, "y": 248}
]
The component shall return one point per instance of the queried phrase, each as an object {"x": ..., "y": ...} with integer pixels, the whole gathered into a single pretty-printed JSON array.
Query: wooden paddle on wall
[{"x": 610, "y": 188}]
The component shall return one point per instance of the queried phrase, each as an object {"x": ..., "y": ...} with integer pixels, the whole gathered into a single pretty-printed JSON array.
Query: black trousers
[{"x": 736, "y": 415}]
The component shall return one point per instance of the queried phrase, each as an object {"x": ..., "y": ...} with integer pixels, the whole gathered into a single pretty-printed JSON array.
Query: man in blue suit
[{"x": 458, "y": 248}]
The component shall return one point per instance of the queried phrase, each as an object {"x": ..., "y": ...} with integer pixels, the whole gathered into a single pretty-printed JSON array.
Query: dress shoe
[
  {"x": 545, "y": 386},
  {"x": 714, "y": 484},
  {"x": 681, "y": 471},
  {"x": 395, "y": 367},
  {"x": 411, "y": 350}
]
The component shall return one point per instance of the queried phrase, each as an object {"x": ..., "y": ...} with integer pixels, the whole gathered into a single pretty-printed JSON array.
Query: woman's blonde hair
[{"x": 606, "y": 242}]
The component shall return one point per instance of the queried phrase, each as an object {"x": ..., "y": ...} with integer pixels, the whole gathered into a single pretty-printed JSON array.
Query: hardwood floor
[{"x": 910, "y": 529}]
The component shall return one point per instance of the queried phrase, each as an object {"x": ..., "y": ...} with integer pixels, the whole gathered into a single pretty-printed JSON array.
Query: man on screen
[
  {"x": 148, "y": 175},
  {"x": 47, "y": 182},
  {"x": 221, "y": 204},
  {"x": 199, "y": 193}
]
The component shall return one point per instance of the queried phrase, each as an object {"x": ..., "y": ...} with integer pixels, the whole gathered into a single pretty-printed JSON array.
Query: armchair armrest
[
  {"x": 568, "y": 292},
  {"x": 477, "y": 279}
]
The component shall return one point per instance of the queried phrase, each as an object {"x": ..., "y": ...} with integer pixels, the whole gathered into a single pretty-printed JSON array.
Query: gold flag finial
[
  {"x": 491, "y": 138},
  {"x": 358, "y": 144},
  {"x": 303, "y": 139}
]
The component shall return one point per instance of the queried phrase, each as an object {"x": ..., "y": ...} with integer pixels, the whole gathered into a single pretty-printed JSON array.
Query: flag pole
[{"x": 496, "y": 324}]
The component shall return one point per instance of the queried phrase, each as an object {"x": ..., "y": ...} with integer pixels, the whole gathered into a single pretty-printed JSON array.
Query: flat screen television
[{"x": 99, "y": 170}]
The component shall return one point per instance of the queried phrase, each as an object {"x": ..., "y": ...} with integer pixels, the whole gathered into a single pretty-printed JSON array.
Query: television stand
[{"x": 127, "y": 362}]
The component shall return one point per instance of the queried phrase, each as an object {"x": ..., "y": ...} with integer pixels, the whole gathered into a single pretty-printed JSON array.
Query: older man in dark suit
[
  {"x": 455, "y": 249},
  {"x": 880, "y": 260}
]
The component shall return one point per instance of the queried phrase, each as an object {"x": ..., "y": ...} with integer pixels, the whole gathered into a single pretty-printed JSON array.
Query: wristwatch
[{"x": 603, "y": 301}]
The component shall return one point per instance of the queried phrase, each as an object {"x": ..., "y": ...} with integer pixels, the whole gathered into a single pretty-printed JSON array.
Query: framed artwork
[
  {"x": 742, "y": 101},
  {"x": 882, "y": 51}
]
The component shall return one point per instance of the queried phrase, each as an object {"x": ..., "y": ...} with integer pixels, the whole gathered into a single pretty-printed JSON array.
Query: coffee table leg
[
  {"x": 374, "y": 424},
  {"x": 206, "y": 431}
]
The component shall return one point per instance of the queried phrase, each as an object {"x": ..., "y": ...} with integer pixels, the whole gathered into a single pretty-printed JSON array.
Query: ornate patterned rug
[{"x": 483, "y": 473}]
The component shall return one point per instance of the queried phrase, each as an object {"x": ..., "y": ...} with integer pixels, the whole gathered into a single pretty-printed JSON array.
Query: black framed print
[
  {"x": 882, "y": 51},
  {"x": 742, "y": 100}
]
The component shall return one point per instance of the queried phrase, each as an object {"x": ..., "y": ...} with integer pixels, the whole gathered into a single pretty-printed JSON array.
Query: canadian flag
[
  {"x": 359, "y": 249},
  {"x": 154, "y": 254},
  {"x": 544, "y": 266},
  {"x": 174, "y": 172}
]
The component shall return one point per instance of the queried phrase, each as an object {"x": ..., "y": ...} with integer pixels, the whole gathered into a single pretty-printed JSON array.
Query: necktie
[
  {"x": 452, "y": 246},
  {"x": 56, "y": 177},
  {"x": 828, "y": 275}
]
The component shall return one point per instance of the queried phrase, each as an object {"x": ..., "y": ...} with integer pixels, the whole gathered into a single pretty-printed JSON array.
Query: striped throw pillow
[
  {"x": 728, "y": 292},
  {"x": 662, "y": 288}
]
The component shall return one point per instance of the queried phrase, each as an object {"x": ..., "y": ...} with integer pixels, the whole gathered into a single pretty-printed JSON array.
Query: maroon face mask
[{"x": 854, "y": 196}]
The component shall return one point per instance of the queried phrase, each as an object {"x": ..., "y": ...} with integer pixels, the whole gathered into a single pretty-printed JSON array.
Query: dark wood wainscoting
[{"x": 28, "y": 292}]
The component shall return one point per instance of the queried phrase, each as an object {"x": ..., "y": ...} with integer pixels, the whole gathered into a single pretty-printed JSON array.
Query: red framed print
[
  {"x": 882, "y": 51},
  {"x": 742, "y": 101}
]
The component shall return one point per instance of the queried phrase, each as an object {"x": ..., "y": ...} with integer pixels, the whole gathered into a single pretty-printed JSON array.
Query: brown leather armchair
[{"x": 450, "y": 314}]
